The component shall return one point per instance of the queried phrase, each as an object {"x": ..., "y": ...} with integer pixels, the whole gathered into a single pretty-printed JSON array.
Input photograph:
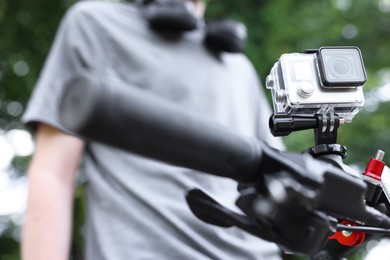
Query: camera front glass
[{"x": 341, "y": 67}]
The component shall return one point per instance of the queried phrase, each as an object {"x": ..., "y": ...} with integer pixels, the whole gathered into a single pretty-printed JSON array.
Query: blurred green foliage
[{"x": 275, "y": 27}]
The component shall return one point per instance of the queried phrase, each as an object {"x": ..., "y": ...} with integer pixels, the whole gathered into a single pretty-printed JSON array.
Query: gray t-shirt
[{"x": 136, "y": 206}]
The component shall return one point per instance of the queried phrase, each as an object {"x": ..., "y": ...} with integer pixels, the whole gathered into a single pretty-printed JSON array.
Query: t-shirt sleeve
[{"x": 77, "y": 46}]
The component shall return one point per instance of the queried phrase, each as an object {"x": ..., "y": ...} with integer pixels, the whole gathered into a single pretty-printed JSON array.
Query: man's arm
[{"x": 47, "y": 228}]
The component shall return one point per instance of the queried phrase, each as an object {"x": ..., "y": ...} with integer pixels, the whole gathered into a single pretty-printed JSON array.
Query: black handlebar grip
[{"x": 111, "y": 112}]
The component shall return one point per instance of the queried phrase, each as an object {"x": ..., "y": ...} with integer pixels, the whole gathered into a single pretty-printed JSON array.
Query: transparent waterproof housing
[{"x": 315, "y": 82}]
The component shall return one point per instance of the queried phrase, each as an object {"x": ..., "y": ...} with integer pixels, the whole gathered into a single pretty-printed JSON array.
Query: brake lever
[{"x": 306, "y": 236}]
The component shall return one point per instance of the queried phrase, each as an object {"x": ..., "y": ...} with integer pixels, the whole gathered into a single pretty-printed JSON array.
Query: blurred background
[{"x": 27, "y": 29}]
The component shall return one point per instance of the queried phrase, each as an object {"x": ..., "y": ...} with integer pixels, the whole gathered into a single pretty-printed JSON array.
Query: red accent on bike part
[
  {"x": 374, "y": 169},
  {"x": 353, "y": 240}
]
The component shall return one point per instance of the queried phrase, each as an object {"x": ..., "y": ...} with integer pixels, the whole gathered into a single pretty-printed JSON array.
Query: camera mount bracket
[{"x": 325, "y": 125}]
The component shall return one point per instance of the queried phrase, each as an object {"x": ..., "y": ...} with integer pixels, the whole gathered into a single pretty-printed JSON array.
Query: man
[{"x": 136, "y": 206}]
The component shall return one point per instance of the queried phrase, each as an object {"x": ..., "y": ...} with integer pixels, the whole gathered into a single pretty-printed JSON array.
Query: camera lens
[{"x": 340, "y": 67}]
